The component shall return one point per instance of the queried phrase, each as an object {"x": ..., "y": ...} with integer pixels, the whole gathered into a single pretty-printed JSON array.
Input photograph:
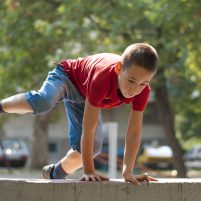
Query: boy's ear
[{"x": 118, "y": 67}]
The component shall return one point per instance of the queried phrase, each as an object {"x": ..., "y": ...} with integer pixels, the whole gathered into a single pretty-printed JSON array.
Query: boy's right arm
[{"x": 90, "y": 121}]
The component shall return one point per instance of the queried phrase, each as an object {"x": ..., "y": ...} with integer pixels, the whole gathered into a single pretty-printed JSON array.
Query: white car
[
  {"x": 193, "y": 157},
  {"x": 13, "y": 153}
]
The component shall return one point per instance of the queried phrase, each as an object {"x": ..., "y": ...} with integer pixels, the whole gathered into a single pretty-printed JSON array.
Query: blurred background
[{"x": 35, "y": 34}]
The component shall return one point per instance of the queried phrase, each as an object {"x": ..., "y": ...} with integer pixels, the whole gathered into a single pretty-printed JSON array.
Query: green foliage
[
  {"x": 27, "y": 39},
  {"x": 34, "y": 34}
]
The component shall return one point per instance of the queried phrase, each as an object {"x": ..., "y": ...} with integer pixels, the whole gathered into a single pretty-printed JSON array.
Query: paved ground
[
  {"x": 27, "y": 173},
  {"x": 36, "y": 174}
]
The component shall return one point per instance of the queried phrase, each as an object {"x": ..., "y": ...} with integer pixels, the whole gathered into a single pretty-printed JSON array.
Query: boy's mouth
[{"x": 129, "y": 95}]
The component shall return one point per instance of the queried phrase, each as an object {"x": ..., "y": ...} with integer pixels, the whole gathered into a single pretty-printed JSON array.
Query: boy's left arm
[{"x": 132, "y": 144}]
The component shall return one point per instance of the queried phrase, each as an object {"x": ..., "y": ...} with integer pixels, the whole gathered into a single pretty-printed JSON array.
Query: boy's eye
[
  {"x": 131, "y": 81},
  {"x": 143, "y": 84}
]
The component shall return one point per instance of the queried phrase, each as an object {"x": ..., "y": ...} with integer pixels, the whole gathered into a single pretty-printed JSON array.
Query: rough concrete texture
[{"x": 114, "y": 190}]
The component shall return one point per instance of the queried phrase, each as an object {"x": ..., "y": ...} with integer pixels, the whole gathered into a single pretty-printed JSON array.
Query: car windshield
[{"x": 11, "y": 145}]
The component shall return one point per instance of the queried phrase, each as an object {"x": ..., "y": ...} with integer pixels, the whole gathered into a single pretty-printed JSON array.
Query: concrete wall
[{"x": 115, "y": 190}]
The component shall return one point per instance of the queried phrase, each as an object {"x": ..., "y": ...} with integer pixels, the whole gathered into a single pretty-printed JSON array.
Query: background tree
[
  {"x": 29, "y": 36},
  {"x": 34, "y": 33}
]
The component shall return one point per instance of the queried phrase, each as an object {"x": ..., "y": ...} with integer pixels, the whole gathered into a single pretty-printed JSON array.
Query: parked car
[
  {"x": 193, "y": 157},
  {"x": 13, "y": 153},
  {"x": 160, "y": 157}
]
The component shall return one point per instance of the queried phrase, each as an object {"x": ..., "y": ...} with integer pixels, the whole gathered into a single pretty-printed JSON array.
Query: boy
[{"x": 86, "y": 85}]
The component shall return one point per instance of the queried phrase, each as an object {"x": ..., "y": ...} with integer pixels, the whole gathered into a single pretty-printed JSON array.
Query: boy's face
[{"x": 133, "y": 80}]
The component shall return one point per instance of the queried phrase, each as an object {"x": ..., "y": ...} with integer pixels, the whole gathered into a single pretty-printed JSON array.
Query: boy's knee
[
  {"x": 45, "y": 105},
  {"x": 39, "y": 102}
]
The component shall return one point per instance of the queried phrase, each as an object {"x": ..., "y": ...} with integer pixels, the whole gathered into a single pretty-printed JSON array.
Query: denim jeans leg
[
  {"x": 52, "y": 92},
  {"x": 75, "y": 118}
]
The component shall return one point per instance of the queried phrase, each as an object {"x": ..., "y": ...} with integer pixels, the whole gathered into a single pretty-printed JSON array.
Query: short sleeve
[{"x": 140, "y": 101}]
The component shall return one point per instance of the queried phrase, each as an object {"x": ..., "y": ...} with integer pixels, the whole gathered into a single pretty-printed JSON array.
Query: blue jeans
[{"x": 56, "y": 88}]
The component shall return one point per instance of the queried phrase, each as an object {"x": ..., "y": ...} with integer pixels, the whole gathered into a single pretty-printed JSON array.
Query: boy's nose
[{"x": 135, "y": 90}]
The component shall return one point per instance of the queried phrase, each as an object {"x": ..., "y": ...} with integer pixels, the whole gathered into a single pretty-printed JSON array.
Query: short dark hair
[{"x": 142, "y": 55}]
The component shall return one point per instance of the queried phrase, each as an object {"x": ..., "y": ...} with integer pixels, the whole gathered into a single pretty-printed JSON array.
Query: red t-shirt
[{"x": 95, "y": 78}]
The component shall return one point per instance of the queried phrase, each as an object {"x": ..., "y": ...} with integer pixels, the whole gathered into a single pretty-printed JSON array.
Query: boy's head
[
  {"x": 138, "y": 66},
  {"x": 142, "y": 55}
]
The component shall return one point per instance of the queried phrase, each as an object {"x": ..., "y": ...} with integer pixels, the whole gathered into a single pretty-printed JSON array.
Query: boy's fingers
[
  {"x": 82, "y": 179},
  {"x": 92, "y": 178},
  {"x": 104, "y": 178},
  {"x": 153, "y": 179},
  {"x": 98, "y": 178},
  {"x": 95, "y": 177},
  {"x": 148, "y": 178},
  {"x": 135, "y": 182},
  {"x": 145, "y": 177},
  {"x": 140, "y": 177}
]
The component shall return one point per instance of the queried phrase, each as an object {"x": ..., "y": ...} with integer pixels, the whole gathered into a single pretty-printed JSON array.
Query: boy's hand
[
  {"x": 93, "y": 177},
  {"x": 136, "y": 179}
]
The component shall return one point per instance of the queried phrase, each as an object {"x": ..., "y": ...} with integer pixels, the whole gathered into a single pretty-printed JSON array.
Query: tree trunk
[
  {"x": 2, "y": 131},
  {"x": 167, "y": 118},
  {"x": 40, "y": 154}
]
